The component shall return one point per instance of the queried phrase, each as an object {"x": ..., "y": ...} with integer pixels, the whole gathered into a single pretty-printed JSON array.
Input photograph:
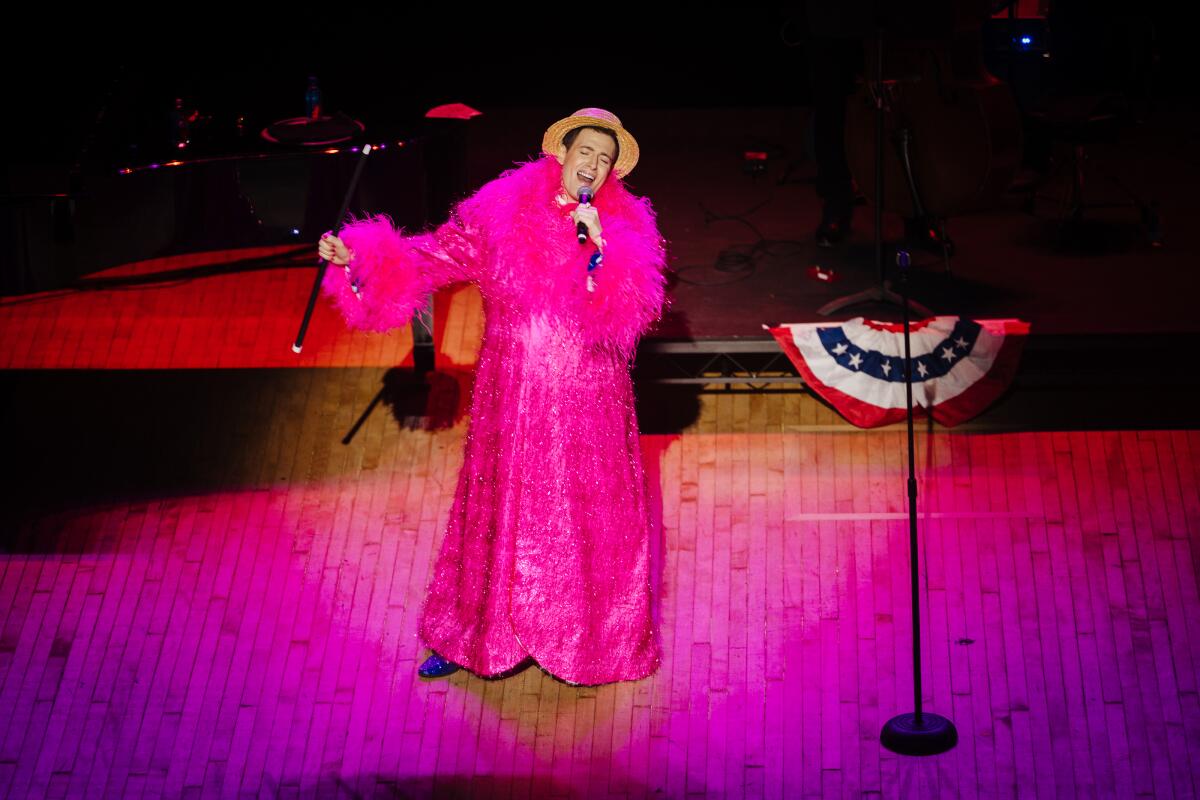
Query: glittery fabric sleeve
[
  {"x": 395, "y": 273},
  {"x": 629, "y": 284}
]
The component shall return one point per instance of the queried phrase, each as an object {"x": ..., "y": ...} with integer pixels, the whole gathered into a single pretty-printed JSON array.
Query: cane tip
[{"x": 296, "y": 348}]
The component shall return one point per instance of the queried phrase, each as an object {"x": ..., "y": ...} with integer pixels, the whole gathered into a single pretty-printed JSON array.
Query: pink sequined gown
[{"x": 546, "y": 554}]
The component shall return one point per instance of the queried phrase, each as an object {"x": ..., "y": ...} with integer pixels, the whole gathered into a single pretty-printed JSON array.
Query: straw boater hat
[{"x": 599, "y": 118}]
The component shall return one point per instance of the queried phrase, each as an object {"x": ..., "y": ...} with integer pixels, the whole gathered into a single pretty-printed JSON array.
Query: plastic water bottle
[
  {"x": 312, "y": 99},
  {"x": 180, "y": 123}
]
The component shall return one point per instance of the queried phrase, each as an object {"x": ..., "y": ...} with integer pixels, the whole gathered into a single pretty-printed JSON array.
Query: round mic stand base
[{"x": 931, "y": 735}]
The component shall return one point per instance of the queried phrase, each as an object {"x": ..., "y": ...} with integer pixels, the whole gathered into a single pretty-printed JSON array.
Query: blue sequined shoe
[{"x": 437, "y": 667}]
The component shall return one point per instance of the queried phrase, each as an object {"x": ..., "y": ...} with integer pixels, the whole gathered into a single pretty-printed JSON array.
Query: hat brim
[{"x": 626, "y": 160}]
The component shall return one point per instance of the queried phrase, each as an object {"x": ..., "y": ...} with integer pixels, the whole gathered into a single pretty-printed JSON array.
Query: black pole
[
  {"x": 880, "y": 110},
  {"x": 902, "y": 262},
  {"x": 915, "y": 734},
  {"x": 882, "y": 291},
  {"x": 322, "y": 263}
]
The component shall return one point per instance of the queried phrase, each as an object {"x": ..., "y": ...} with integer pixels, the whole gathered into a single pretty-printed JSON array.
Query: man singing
[{"x": 546, "y": 555}]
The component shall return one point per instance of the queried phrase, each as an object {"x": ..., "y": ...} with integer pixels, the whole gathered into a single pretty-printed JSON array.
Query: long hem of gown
[
  {"x": 448, "y": 651},
  {"x": 530, "y": 661}
]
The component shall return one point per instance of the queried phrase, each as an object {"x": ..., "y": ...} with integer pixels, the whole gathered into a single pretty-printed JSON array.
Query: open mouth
[{"x": 585, "y": 177}]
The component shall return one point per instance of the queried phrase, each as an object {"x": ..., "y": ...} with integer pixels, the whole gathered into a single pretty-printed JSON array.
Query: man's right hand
[
  {"x": 590, "y": 217},
  {"x": 333, "y": 250}
]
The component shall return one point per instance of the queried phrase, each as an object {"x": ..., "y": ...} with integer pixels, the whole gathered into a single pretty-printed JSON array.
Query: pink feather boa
[{"x": 518, "y": 244}]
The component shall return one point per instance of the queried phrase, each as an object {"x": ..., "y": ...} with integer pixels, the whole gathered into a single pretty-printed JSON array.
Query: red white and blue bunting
[{"x": 959, "y": 366}]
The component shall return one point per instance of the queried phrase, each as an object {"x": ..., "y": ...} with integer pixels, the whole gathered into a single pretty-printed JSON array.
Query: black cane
[{"x": 322, "y": 263}]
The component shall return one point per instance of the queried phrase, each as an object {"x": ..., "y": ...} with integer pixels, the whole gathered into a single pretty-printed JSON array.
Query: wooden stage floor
[{"x": 206, "y": 594}]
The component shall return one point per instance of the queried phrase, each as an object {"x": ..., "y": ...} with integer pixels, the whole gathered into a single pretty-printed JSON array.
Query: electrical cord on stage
[{"x": 739, "y": 260}]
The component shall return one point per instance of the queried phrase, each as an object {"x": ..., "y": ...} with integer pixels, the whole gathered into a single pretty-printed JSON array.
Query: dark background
[
  {"x": 105, "y": 91},
  {"x": 87, "y": 96}
]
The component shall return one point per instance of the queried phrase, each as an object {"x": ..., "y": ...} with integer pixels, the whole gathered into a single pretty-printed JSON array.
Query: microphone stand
[
  {"x": 918, "y": 733},
  {"x": 881, "y": 292}
]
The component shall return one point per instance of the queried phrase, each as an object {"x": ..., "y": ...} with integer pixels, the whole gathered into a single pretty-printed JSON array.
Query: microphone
[{"x": 585, "y": 199}]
